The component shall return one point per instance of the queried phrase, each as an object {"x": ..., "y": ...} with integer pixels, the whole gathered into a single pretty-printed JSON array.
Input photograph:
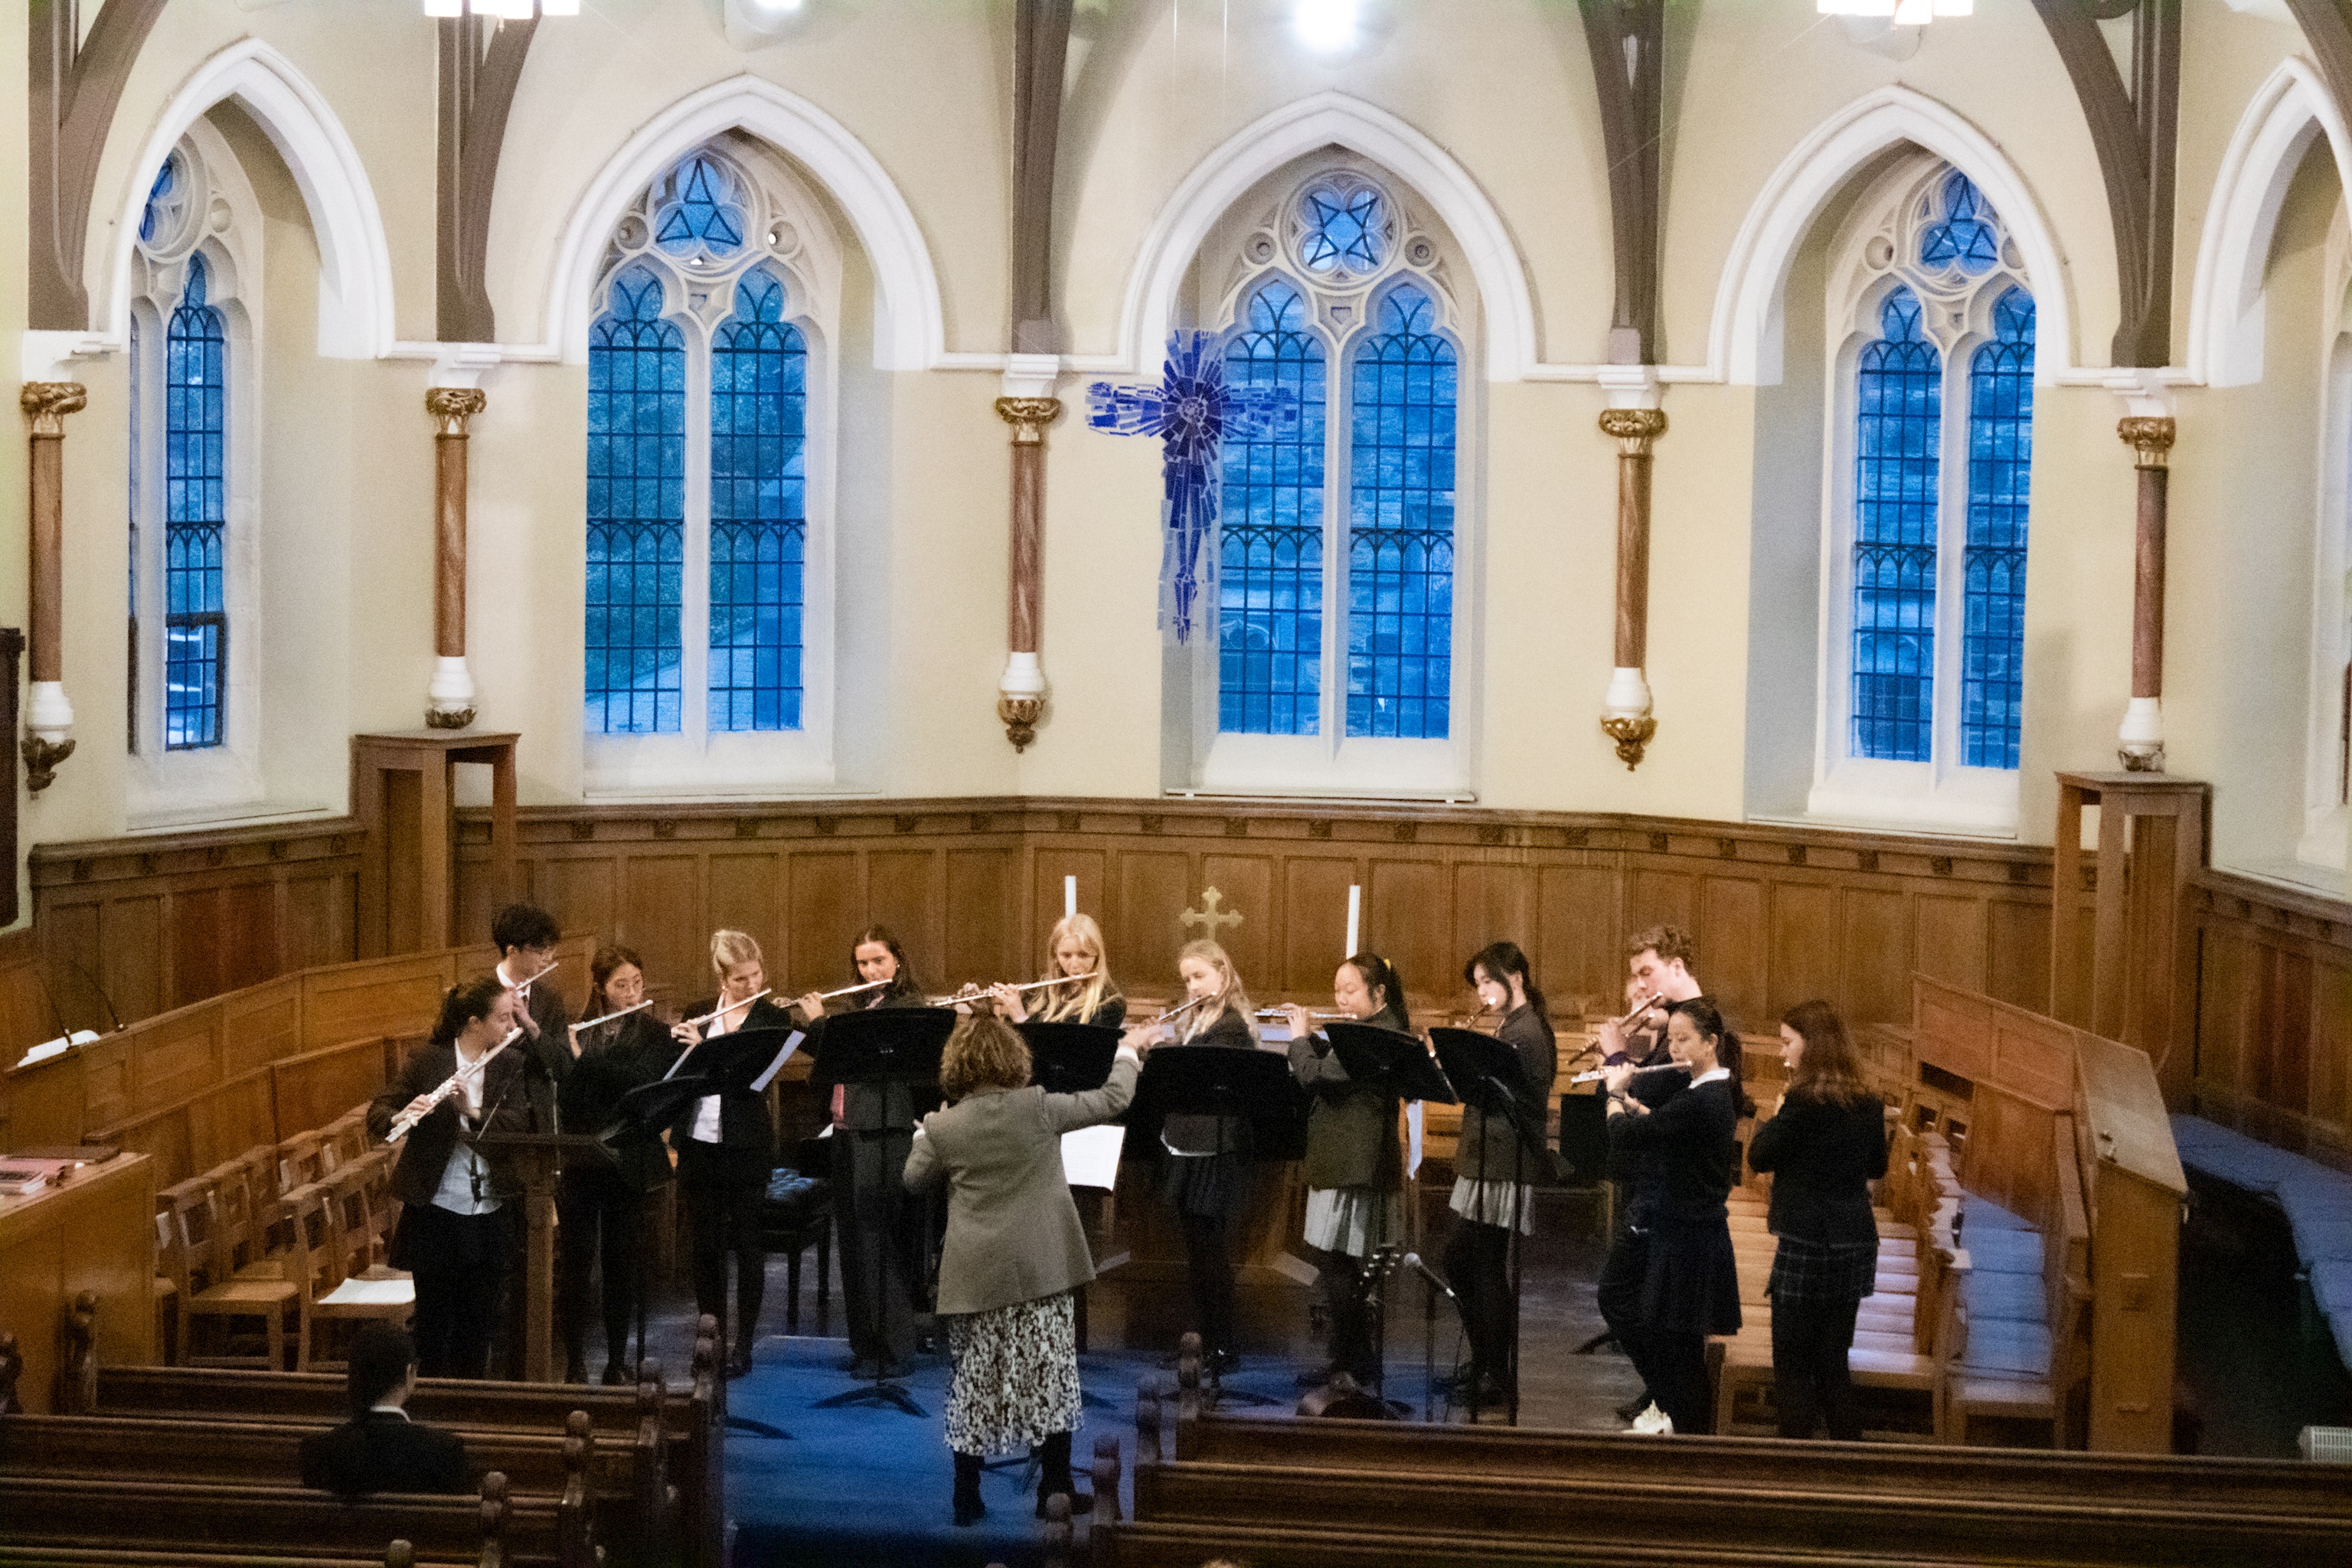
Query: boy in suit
[{"x": 379, "y": 1449}]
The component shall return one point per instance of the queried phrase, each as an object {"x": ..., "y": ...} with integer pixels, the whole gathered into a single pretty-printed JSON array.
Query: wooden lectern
[
  {"x": 2136, "y": 982},
  {"x": 400, "y": 793},
  {"x": 538, "y": 1159}
]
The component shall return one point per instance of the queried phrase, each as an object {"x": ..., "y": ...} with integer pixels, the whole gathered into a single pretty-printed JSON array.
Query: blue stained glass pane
[
  {"x": 1270, "y": 538},
  {"x": 2000, "y": 465},
  {"x": 1966, "y": 234},
  {"x": 1345, "y": 230},
  {"x": 707, "y": 213},
  {"x": 759, "y": 521},
  {"x": 636, "y": 511},
  {"x": 162, "y": 197},
  {"x": 1898, "y": 428},
  {"x": 1400, "y": 525},
  {"x": 195, "y": 518}
]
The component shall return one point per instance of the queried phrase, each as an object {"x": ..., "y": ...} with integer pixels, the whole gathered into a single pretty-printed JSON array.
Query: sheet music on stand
[
  {"x": 1090, "y": 1155},
  {"x": 792, "y": 1043}
]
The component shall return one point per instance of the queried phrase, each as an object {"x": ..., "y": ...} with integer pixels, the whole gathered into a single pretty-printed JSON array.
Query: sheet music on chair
[{"x": 1090, "y": 1155}]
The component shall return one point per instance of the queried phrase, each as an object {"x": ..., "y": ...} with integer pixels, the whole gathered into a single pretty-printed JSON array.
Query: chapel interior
[{"x": 1862, "y": 488}]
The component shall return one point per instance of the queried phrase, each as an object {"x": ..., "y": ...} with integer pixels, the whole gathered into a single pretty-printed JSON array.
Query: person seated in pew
[
  {"x": 1015, "y": 1253},
  {"x": 1823, "y": 1148},
  {"x": 380, "y": 1449}
]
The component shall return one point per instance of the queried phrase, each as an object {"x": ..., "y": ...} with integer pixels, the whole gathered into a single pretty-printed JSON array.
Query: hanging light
[
  {"x": 1326, "y": 26},
  {"x": 505, "y": 10},
  {"x": 1901, "y": 12}
]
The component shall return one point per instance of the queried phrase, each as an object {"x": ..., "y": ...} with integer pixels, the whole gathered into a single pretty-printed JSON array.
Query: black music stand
[
  {"x": 1070, "y": 1058},
  {"x": 1485, "y": 1072},
  {"x": 1223, "y": 1081},
  {"x": 1395, "y": 1063},
  {"x": 880, "y": 1046}
]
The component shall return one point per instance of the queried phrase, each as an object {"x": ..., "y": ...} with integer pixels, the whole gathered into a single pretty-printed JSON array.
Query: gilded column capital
[
  {"x": 451, "y": 407},
  {"x": 2150, "y": 437},
  {"x": 46, "y": 404},
  {"x": 1633, "y": 428},
  {"x": 1028, "y": 416}
]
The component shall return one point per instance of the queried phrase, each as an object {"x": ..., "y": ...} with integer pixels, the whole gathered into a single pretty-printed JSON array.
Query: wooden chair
[
  {"x": 2042, "y": 1400},
  {"x": 170, "y": 1281},
  {"x": 302, "y": 1161},
  {"x": 210, "y": 1292},
  {"x": 329, "y": 1293},
  {"x": 348, "y": 1134}
]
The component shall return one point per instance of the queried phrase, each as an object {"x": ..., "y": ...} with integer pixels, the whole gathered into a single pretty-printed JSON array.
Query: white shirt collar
[
  {"x": 1723, "y": 1073},
  {"x": 387, "y": 1410}
]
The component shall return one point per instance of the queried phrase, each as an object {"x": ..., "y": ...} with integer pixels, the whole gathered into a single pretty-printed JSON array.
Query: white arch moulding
[
  {"x": 355, "y": 316},
  {"x": 909, "y": 330},
  {"x": 1291, "y": 131},
  {"x": 2225, "y": 303},
  {"x": 1744, "y": 338}
]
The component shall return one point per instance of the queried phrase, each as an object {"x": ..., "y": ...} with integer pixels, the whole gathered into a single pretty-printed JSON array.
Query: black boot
[
  {"x": 969, "y": 1508},
  {"x": 1054, "y": 1474}
]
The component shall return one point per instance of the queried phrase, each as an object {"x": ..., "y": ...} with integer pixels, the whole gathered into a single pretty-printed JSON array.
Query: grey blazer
[{"x": 1013, "y": 1232}]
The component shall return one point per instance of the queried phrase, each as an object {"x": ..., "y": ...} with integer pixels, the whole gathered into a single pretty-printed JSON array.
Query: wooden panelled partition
[
  {"x": 2275, "y": 1013},
  {"x": 1782, "y": 914},
  {"x": 197, "y": 1085}
]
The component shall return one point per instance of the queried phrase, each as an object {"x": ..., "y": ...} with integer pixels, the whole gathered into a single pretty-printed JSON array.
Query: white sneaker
[{"x": 1653, "y": 1423}]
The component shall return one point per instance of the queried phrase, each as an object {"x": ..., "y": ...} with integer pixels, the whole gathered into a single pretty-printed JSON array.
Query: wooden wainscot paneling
[
  {"x": 2273, "y": 1019},
  {"x": 972, "y": 886},
  {"x": 131, "y": 927}
]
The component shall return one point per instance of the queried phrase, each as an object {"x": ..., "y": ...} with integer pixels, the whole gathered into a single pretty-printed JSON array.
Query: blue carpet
[{"x": 866, "y": 1485}]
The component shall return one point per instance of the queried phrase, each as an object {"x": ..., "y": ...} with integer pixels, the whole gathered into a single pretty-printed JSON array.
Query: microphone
[{"x": 1412, "y": 1261}]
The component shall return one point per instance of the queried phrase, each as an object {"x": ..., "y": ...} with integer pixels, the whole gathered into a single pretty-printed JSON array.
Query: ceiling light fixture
[
  {"x": 1328, "y": 27},
  {"x": 1901, "y": 12},
  {"x": 504, "y": 10}
]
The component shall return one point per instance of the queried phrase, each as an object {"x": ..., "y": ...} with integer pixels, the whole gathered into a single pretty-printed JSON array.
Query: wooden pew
[
  {"x": 82, "y": 1520},
  {"x": 1283, "y": 1492}
]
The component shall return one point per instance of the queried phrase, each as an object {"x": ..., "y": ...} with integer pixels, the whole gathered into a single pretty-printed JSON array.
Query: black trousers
[
  {"x": 722, "y": 1190},
  {"x": 1619, "y": 1297},
  {"x": 882, "y": 1236},
  {"x": 1678, "y": 1379},
  {"x": 597, "y": 1214},
  {"x": 1478, "y": 1268},
  {"x": 1340, "y": 1280},
  {"x": 1809, "y": 1381},
  {"x": 1211, "y": 1268},
  {"x": 460, "y": 1264}
]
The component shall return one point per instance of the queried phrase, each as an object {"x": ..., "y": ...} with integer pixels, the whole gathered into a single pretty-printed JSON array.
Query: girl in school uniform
[{"x": 1083, "y": 991}]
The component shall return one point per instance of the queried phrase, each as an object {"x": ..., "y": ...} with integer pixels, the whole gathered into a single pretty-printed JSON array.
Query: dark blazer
[
  {"x": 1351, "y": 1130},
  {"x": 551, "y": 1051},
  {"x": 1823, "y": 1158},
  {"x": 383, "y": 1452},
  {"x": 614, "y": 1058},
  {"x": 1691, "y": 1138},
  {"x": 886, "y": 1107},
  {"x": 1013, "y": 1231},
  {"x": 1220, "y": 1134},
  {"x": 743, "y": 1116},
  {"x": 424, "y": 1154},
  {"x": 1109, "y": 1016},
  {"x": 1493, "y": 1153}
]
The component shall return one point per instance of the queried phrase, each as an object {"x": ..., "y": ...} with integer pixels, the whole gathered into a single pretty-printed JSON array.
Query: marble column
[
  {"x": 49, "y": 716},
  {"x": 1021, "y": 693},
  {"x": 450, "y": 700},
  {"x": 2140, "y": 742},
  {"x": 1625, "y": 716}
]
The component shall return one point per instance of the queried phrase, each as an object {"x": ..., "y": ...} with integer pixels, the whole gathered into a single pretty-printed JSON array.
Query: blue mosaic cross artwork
[{"x": 1192, "y": 410}]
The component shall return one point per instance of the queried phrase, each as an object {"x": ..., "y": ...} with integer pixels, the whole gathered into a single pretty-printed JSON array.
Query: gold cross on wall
[{"x": 1207, "y": 916}]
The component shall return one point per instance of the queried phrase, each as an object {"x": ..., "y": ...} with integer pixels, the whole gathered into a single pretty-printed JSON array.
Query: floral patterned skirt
[{"x": 1016, "y": 1376}]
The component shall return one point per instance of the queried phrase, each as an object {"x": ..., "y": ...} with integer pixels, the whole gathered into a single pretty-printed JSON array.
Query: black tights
[
  {"x": 598, "y": 1213},
  {"x": 1678, "y": 1379},
  {"x": 1478, "y": 1267},
  {"x": 1809, "y": 1341},
  {"x": 1211, "y": 1270},
  {"x": 1340, "y": 1279}
]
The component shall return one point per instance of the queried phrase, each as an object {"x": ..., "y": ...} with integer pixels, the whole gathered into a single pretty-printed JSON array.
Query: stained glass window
[
  {"x": 706, "y": 217},
  {"x": 2001, "y": 464},
  {"x": 636, "y": 511},
  {"x": 166, "y": 198},
  {"x": 1966, "y": 234},
  {"x": 1270, "y": 532},
  {"x": 759, "y": 522},
  {"x": 1898, "y": 434},
  {"x": 1401, "y": 524},
  {"x": 195, "y": 518},
  {"x": 1345, "y": 230}
]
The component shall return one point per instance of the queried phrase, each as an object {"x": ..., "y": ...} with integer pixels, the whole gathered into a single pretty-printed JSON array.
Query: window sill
[
  {"x": 1308, "y": 767},
  {"x": 251, "y": 814},
  {"x": 1975, "y": 802},
  {"x": 723, "y": 767}
]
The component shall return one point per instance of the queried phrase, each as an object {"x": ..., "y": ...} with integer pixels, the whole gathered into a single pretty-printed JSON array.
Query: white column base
[
  {"x": 2140, "y": 742},
  {"x": 1021, "y": 699},
  {"x": 1022, "y": 676},
  {"x": 1628, "y": 695},
  {"x": 449, "y": 698},
  {"x": 47, "y": 713}
]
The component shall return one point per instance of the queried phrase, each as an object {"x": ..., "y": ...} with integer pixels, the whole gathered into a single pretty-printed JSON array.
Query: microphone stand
[{"x": 1431, "y": 1287}]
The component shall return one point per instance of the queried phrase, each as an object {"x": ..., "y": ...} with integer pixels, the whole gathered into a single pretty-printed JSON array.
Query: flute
[
  {"x": 542, "y": 975},
  {"x": 1599, "y": 1073},
  {"x": 714, "y": 1013},
  {"x": 1641, "y": 1005},
  {"x": 1318, "y": 1017},
  {"x": 979, "y": 993},
  {"x": 404, "y": 1123},
  {"x": 623, "y": 1013}
]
